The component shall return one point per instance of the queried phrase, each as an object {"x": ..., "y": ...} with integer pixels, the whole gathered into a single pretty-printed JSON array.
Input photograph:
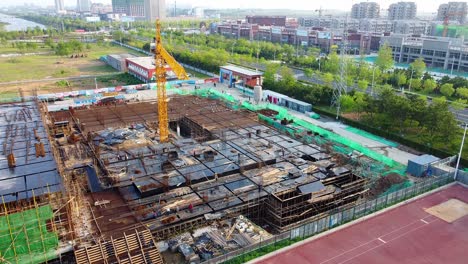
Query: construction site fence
[{"x": 332, "y": 219}]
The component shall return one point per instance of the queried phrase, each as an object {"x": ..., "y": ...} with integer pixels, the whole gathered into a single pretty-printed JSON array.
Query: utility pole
[
  {"x": 460, "y": 153},
  {"x": 340, "y": 87}
]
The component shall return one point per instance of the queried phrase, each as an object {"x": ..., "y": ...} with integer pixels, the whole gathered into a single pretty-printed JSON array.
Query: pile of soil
[
  {"x": 268, "y": 112},
  {"x": 384, "y": 183}
]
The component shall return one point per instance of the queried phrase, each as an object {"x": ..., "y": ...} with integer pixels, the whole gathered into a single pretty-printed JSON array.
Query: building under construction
[{"x": 98, "y": 181}]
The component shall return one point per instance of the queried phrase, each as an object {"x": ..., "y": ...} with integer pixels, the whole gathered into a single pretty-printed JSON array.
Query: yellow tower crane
[{"x": 162, "y": 57}]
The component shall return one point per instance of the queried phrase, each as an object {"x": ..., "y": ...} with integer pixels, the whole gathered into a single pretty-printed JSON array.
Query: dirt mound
[
  {"x": 385, "y": 182},
  {"x": 267, "y": 112}
]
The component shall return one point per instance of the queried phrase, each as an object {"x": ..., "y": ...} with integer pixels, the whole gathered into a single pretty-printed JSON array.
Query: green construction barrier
[
  {"x": 371, "y": 136},
  {"x": 397, "y": 187},
  {"x": 24, "y": 237},
  {"x": 301, "y": 125}
]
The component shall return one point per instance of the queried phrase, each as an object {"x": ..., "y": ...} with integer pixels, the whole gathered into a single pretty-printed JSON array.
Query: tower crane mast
[{"x": 161, "y": 58}]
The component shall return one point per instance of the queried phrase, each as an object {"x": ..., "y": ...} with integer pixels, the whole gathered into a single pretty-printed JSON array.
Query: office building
[
  {"x": 402, "y": 11},
  {"x": 83, "y": 6},
  {"x": 411, "y": 27},
  {"x": 375, "y": 25},
  {"x": 155, "y": 9},
  {"x": 454, "y": 11},
  {"x": 365, "y": 10},
  {"x": 440, "y": 52}
]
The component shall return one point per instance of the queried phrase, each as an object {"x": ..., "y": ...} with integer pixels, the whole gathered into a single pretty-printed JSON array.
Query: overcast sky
[{"x": 423, "y": 5}]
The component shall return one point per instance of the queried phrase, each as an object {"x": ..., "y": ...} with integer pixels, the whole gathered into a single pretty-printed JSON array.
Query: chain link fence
[{"x": 333, "y": 219}]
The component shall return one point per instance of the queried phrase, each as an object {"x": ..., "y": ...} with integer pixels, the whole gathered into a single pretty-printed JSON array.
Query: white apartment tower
[
  {"x": 365, "y": 10},
  {"x": 59, "y": 6},
  {"x": 402, "y": 11},
  {"x": 83, "y": 6},
  {"x": 455, "y": 11},
  {"x": 155, "y": 9}
]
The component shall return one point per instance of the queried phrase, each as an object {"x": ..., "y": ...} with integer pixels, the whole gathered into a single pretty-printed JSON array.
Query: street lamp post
[{"x": 460, "y": 153}]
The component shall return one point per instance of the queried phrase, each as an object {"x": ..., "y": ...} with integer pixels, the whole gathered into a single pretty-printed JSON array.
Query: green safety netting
[
  {"x": 371, "y": 136},
  {"x": 342, "y": 145},
  {"x": 397, "y": 187},
  {"x": 24, "y": 237}
]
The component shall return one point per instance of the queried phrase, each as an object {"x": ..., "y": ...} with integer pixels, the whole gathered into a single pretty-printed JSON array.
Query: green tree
[
  {"x": 88, "y": 46},
  {"x": 447, "y": 89},
  {"x": 270, "y": 70},
  {"x": 327, "y": 78},
  {"x": 332, "y": 63},
  {"x": 401, "y": 79},
  {"x": 287, "y": 76},
  {"x": 360, "y": 101},
  {"x": 62, "y": 49},
  {"x": 308, "y": 72},
  {"x": 31, "y": 46},
  {"x": 429, "y": 85},
  {"x": 75, "y": 46},
  {"x": 462, "y": 93},
  {"x": 418, "y": 67},
  {"x": 49, "y": 42},
  {"x": 363, "y": 84},
  {"x": 21, "y": 46},
  {"x": 347, "y": 103},
  {"x": 415, "y": 84},
  {"x": 384, "y": 58}
]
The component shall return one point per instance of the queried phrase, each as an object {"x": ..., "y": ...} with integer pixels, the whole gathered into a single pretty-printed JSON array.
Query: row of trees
[
  {"x": 409, "y": 116},
  {"x": 70, "y": 47}
]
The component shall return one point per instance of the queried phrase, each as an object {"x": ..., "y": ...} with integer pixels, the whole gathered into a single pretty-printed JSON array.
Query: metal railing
[{"x": 333, "y": 219}]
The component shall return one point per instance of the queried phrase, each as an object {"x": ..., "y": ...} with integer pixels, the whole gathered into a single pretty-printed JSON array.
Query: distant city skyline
[{"x": 422, "y": 5}]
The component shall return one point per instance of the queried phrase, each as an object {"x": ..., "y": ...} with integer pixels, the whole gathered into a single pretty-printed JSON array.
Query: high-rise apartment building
[
  {"x": 59, "y": 6},
  {"x": 120, "y": 6},
  {"x": 83, "y": 6},
  {"x": 136, "y": 8},
  {"x": 402, "y": 11},
  {"x": 147, "y": 9},
  {"x": 155, "y": 9},
  {"x": 455, "y": 11},
  {"x": 365, "y": 10}
]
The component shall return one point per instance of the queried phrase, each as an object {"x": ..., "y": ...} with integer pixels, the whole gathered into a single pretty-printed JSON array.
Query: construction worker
[{"x": 190, "y": 208}]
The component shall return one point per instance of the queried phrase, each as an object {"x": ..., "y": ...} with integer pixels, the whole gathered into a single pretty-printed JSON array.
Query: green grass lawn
[
  {"x": 51, "y": 66},
  {"x": 197, "y": 74},
  {"x": 7, "y": 49}
]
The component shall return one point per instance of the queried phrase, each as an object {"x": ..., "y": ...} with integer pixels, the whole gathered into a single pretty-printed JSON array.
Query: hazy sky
[{"x": 423, "y": 5}]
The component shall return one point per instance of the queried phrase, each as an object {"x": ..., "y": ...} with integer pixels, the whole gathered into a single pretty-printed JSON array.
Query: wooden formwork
[{"x": 138, "y": 247}]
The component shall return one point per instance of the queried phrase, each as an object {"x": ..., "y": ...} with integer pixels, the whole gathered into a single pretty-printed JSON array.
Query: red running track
[{"x": 404, "y": 235}]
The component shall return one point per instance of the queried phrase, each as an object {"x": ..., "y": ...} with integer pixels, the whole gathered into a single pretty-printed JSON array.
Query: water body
[{"x": 17, "y": 24}]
